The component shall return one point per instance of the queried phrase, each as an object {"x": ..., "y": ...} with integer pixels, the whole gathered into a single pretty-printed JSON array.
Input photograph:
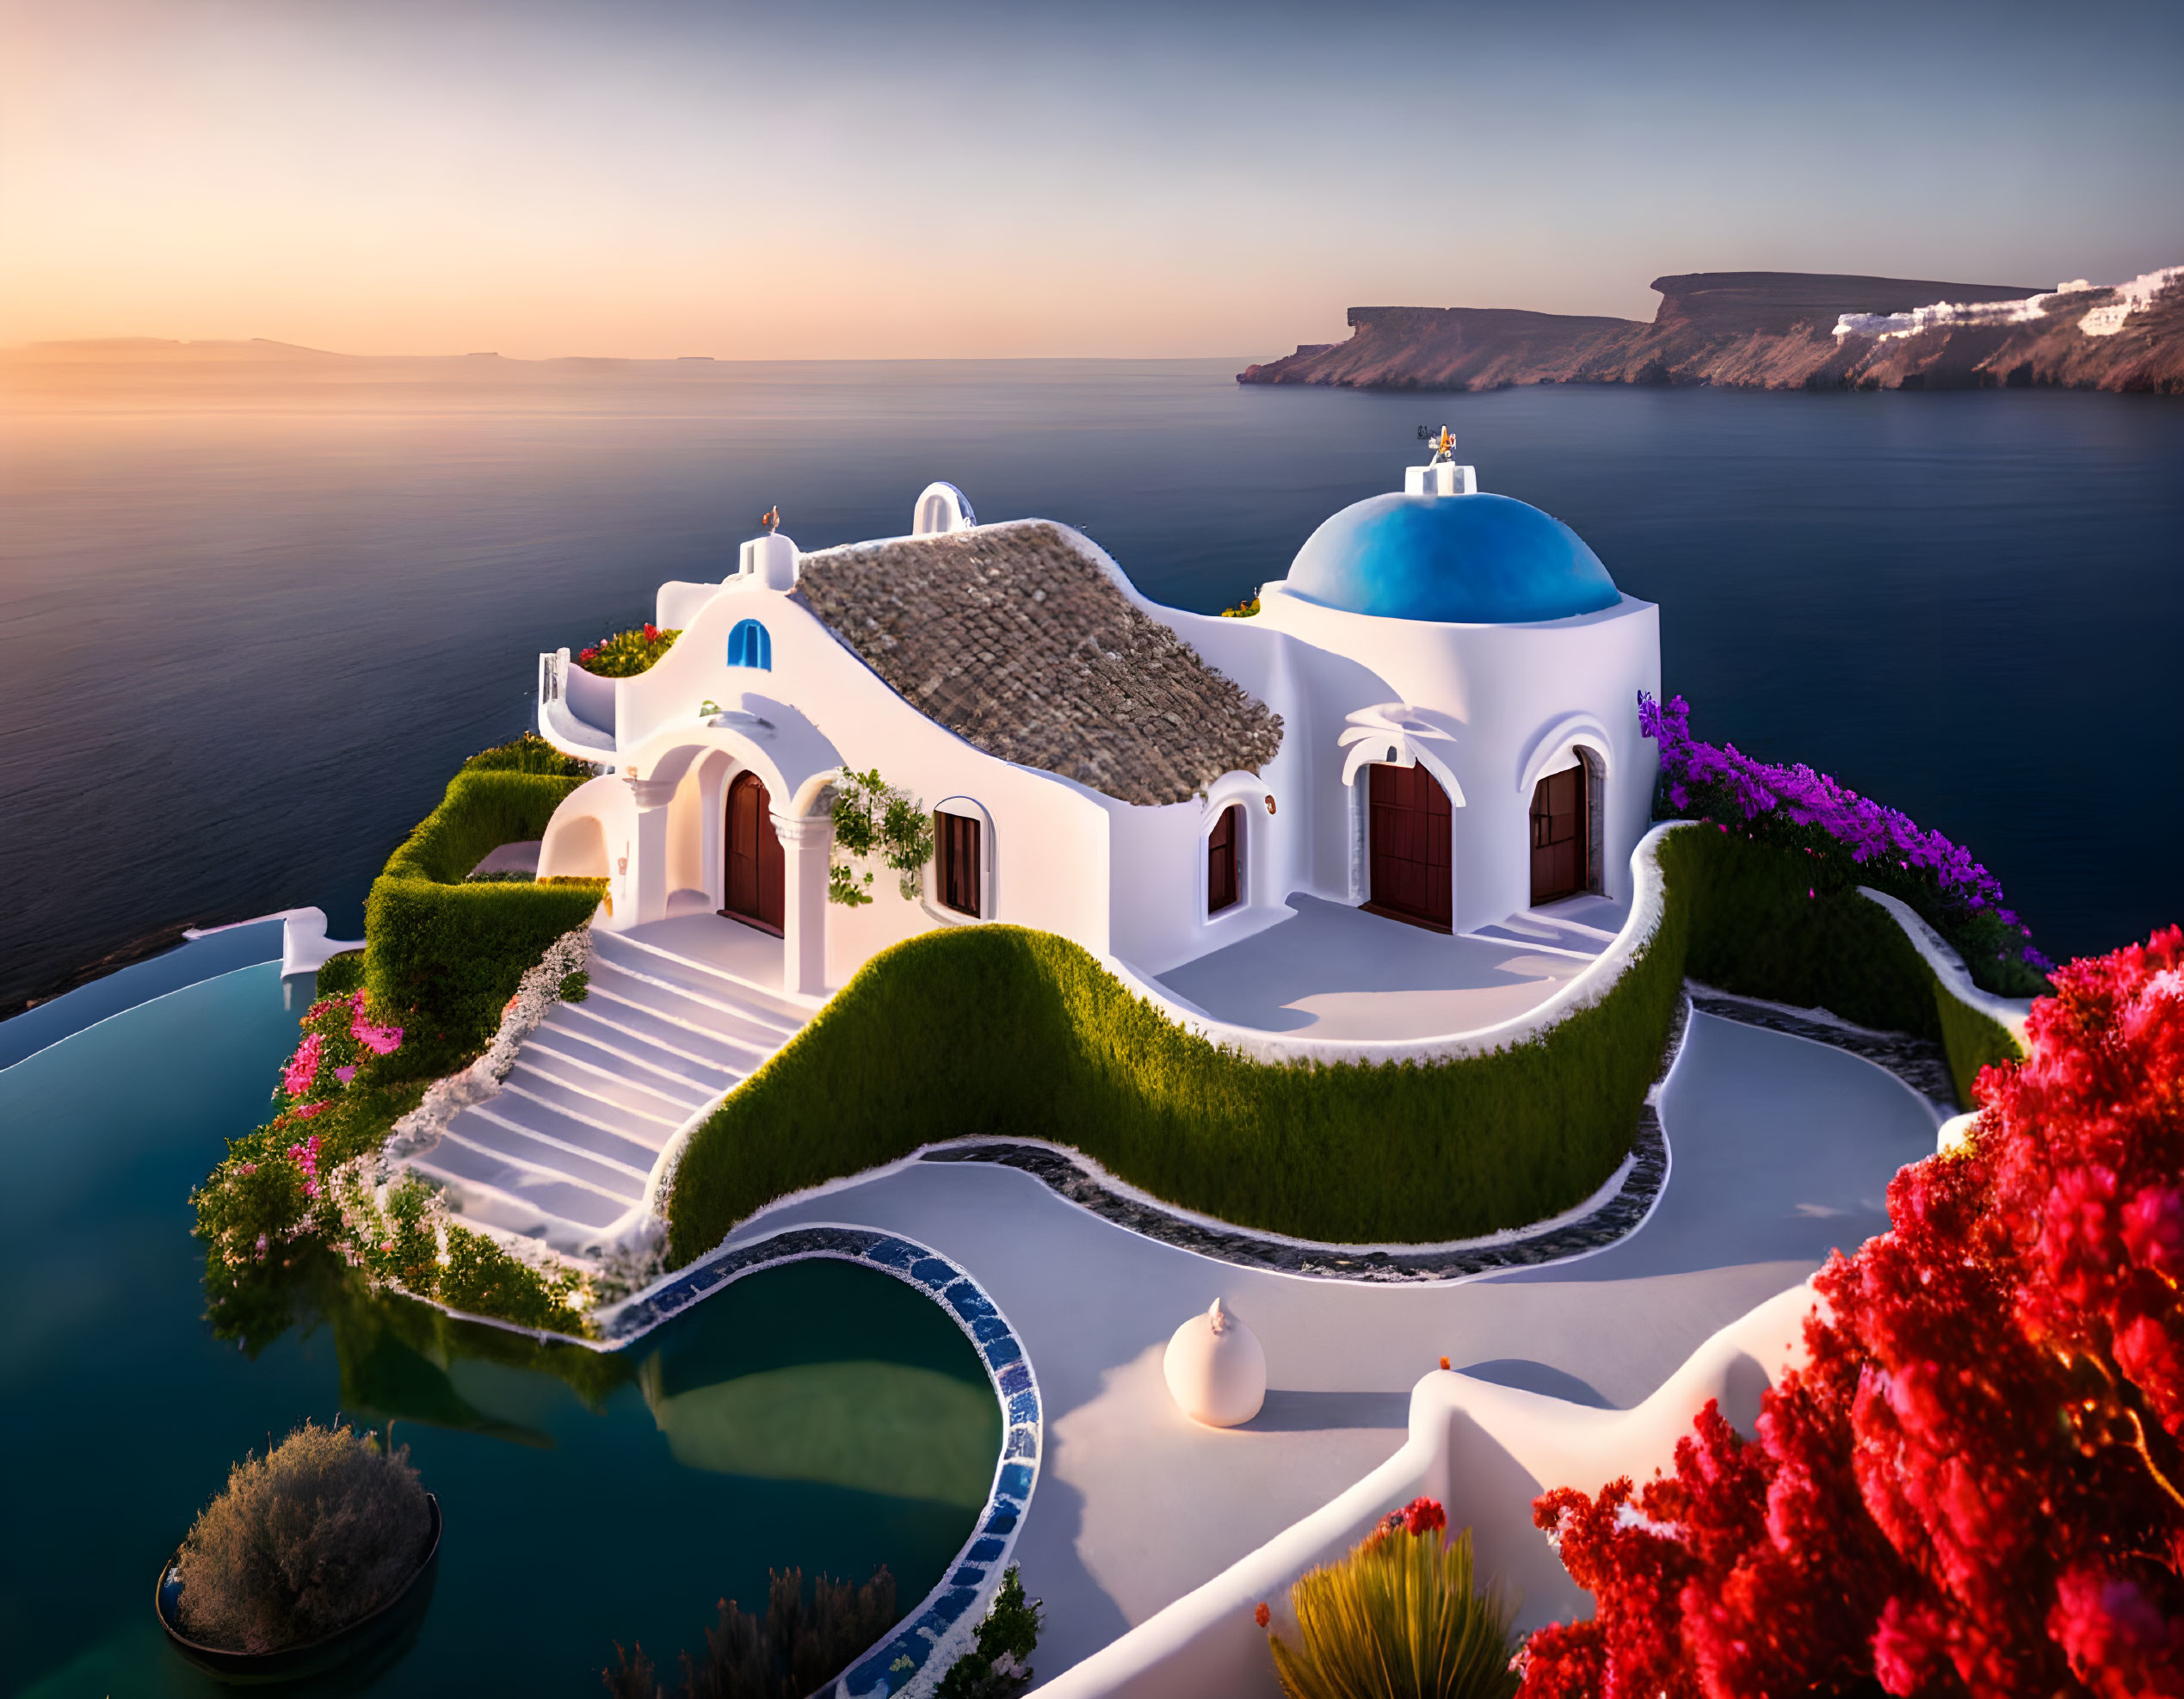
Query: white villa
[
  {"x": 1390, "y": 815},
  {"x": 1432, "y": 719}
]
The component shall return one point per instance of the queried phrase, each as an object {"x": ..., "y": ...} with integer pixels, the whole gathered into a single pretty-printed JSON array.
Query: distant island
[{"x": 1778, "y": 329}]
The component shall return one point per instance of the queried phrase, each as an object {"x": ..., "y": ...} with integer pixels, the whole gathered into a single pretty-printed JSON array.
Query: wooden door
[
  {"x": 1561, "y": 835},
  {"x": 957, "y": 846},
  {"x": 1409, "y": 829},
  {"x": 1221, "y": 845},
  {"x": 756, "y": 879}
]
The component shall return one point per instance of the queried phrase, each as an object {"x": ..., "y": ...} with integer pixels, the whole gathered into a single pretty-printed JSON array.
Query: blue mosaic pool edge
[{"x": 909, "y": 1660}]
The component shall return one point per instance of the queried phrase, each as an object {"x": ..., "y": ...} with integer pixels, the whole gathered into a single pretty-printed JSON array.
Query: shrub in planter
[
  {"x": 626, "y": 653},
  {"x": 1398, "y": 1617},
  {"x": 796, "y": 1646},
  {"x": 318, "y": 1534}
]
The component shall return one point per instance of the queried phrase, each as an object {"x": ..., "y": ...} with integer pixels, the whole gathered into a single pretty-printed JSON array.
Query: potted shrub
[
  {"x": 1397, "y": 1618},
  {"x": 321, "y": 1550},
  {"x": 626, "y": 653}
]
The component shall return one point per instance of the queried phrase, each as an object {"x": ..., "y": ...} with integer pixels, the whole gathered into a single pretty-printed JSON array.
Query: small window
[
  {"x": 1221, "y": 846},
  {"x": 750, "y": 646},
  {"x": 956, "y": 853}
]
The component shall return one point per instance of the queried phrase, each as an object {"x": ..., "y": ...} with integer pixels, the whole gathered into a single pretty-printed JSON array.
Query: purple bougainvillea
[{"x": 1723, "y": 784}]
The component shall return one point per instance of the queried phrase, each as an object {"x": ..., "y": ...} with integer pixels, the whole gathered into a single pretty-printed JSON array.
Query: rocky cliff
[{"x": 1778, "y": 329}]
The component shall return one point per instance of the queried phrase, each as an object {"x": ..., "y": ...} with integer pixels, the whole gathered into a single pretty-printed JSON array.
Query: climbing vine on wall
[{"x": 873, "y": 819}]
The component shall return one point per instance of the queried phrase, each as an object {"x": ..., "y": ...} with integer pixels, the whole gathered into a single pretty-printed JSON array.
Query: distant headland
[{"x": 1778, "y": 329}]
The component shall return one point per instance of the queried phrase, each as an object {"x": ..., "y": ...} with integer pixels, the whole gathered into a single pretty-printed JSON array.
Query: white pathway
[
  {"x": 1782, "y": 1149},
  {"x": 678, "y": 1012}
]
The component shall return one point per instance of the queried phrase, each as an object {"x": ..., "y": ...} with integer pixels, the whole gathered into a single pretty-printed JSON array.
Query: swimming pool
[{"x": 819, "y": 1414}]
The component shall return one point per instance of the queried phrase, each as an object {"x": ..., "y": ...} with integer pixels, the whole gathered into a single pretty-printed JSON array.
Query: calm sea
[{"x": 245, "y": 634}]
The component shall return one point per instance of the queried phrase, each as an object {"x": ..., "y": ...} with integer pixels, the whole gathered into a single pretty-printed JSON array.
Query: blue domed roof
[{"x": 1463, "y": 560}]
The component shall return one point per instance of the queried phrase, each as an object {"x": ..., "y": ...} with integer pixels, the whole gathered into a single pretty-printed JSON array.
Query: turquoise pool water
[{"x": 818, "y": 1415}]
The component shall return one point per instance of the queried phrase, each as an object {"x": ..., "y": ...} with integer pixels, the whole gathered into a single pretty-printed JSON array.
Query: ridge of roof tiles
[{"x": 1023, "y": 645}]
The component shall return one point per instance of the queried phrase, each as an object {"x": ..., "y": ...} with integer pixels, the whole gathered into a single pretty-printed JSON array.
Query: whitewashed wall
[
  {"x": 1129, "y": 882},
  {"x": 1518, "y": 693},
  {"x": 1485, "y": 1453}
]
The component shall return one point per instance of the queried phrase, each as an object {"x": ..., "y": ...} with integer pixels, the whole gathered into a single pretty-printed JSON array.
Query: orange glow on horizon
[{"x": 970, "y": 180}]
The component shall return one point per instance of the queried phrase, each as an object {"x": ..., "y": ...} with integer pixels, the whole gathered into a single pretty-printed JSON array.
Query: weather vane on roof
[
  {"x": 1444, "y": 446},
  {"x": 771, "y": 518}
]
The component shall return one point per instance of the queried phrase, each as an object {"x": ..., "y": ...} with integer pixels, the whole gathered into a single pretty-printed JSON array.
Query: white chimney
[{"x": 771, "y": 559}]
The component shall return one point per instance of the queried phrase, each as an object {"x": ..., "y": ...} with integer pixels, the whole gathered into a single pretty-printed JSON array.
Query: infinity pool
[{"x": 818, "y": 1415}]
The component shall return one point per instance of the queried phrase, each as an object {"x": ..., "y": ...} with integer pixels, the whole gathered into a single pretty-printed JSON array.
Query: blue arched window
[{"x": 750, "y": 646}]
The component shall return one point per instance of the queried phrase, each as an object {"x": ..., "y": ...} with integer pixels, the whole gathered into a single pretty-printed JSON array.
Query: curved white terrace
[
  {"x": 1335, "y": 971},
  {"x": 1335, "y": 984}
]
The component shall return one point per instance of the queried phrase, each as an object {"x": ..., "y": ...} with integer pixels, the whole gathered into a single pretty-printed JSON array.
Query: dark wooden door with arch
[
  {"x": 755, "y": 883},
  {"x": 1410, "y": 831},
  {"x": 1222, "y": 888},
  {"x": 1561, "y": 835}
]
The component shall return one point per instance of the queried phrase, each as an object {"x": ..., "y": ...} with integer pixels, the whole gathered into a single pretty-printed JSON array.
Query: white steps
[
  {"x": 1552, "y": 933},
  {"x": 564, "y": 1152}
]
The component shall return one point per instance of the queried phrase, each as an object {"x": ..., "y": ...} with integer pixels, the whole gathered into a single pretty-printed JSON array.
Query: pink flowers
[
  {"x": 337, "y": 1037},
  {"x": 379, "y": 1040},
  {"x": 306, "y": 1156},
  {"x": 302, "y": 1068}
]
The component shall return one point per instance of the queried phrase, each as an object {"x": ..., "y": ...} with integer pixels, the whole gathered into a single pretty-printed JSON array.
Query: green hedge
[
  {"x": 441, "y": 957},
  {"x": 338, "y": 975},
  {"x": 1973, "y": 1040},
  {"x": 998, "y": 1031},
  {"x": 1763, "y": 924},
  {"x": 1756, "y": 931}
]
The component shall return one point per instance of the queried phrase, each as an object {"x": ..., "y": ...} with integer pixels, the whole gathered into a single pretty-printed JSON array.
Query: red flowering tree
[{"x": 1976, "y": 1485}]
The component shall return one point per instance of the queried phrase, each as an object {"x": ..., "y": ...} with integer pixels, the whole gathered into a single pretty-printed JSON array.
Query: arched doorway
[
  {"x": 755, "y": 882},
  {"x": 1224, "y": 846},
  {"x": 1561, "y": 835},
  {"x": 1408, "y": 831}
]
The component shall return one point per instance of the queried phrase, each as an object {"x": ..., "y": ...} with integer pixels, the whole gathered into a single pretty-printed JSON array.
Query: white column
[
  {"x": 807, "y": 847},
  {"x": 647, "y": 872}
]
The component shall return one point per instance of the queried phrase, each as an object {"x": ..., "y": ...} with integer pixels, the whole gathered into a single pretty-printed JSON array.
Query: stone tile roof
[{"x": 1023, "y": 645}]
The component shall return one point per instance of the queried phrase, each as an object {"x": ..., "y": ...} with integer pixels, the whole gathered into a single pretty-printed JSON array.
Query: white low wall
[
  {"x": 1649, "y": 903},
  {"x": 1485, "y": 1452},
  {"x": 2007, "y": 1012},
  {"x": 305, "y": 946}
]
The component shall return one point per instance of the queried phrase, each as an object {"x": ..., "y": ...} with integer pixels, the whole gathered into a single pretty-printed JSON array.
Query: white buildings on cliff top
[{"x": 1421, "y": 758}]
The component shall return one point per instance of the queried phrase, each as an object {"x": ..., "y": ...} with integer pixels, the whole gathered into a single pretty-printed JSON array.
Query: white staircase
[
  {"x": 1578, "y": 926},
  {"x": 678, "y": 1013}
]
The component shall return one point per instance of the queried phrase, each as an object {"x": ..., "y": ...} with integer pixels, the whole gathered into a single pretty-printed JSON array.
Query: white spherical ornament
[{"x": 1216, "y": 1370}]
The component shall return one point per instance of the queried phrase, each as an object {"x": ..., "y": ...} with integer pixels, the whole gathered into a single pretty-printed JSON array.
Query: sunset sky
[{"x": 861, "y": 180}]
